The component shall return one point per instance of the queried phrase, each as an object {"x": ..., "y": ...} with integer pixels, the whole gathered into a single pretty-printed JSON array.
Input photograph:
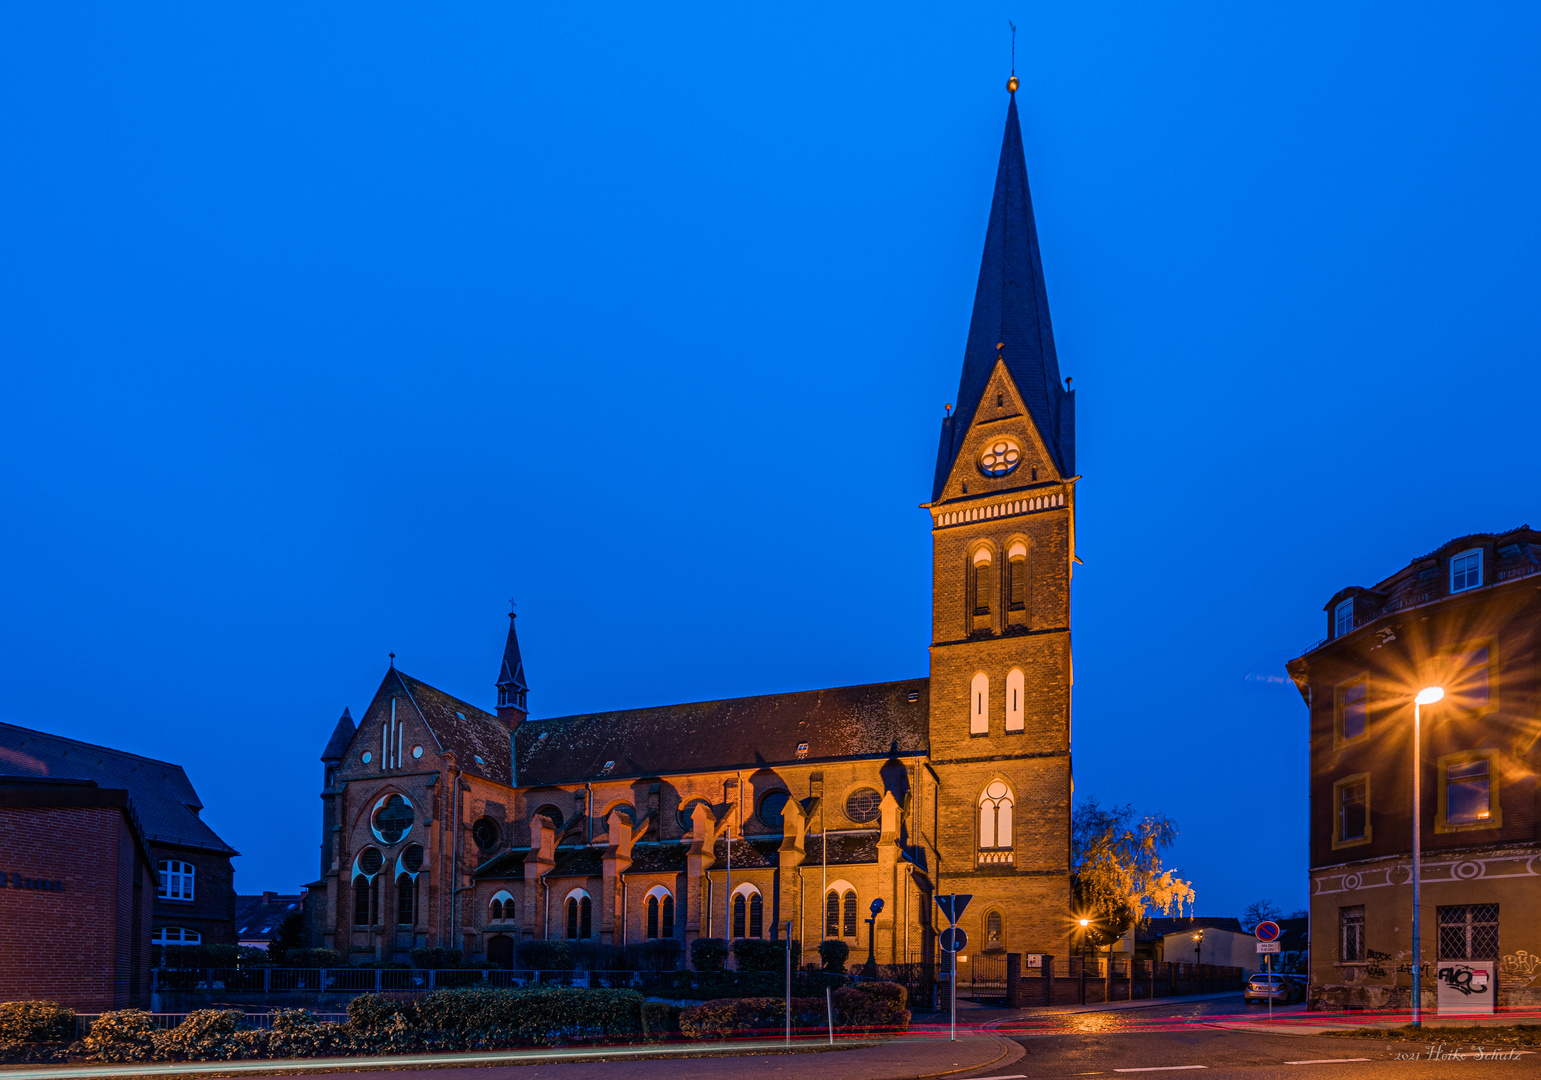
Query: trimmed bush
[
  {"x": 752, "y": 954},
  {"x": 296, "y": 1033},
  {"x": 660, "y": 955},
  {"x": 384, "y": 1022},
  {"x": 889, "y": 991},
  {"x": 708, "y": 954},
  {"x": 861, "y": 1011},
  {"x": 431, "y": 956},
  {"x": 36, "y": 1022},
  {"x": 834, "y": 953},
  {"x": 660, "y": 1019},
  {"x": 476, "y": 1019},
  {"x": 204, "y": 1035},
  {"x": 540, "y": 955},
  {"x": 854, "y": 1011},
  {"x": 125, "y": 1035}
]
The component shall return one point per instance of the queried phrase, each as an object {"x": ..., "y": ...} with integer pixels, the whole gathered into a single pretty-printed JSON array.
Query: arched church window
[
  {"x": 995, "y": 836},
  {"x": 756, "y": 916},
  {"x": 832, "y": 915},
  {"x": 406, "y": 900},
  {"x": 849, "y": 926},
  {"x": 993, "y": 938},
  {"x": 361, "y": 890},
  {"x": 667, "y": 930},
  {"x": 740, "y": 915},
  {"x": 863, "y": 805},
  {"x": 1016, "y": 691},
  {"x": 392, "y": 819},
  {"x": 580, "y": 916},
  {"x": 979, "y": 704}
]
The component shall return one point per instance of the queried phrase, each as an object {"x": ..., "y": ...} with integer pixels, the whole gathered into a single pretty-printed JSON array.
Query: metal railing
[{"x": 279, "y": 981}]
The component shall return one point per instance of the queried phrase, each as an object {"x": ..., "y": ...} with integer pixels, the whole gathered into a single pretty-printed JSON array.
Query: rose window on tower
[{"x": 1000, "y": 457}]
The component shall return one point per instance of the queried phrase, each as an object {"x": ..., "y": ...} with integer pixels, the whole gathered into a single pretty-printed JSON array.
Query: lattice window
[
  {"x": 1468, "y": 932},
  {"x": 1351, "y": 934}
]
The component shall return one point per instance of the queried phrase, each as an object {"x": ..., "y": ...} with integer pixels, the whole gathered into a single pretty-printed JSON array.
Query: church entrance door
[{"x": 500, "y": 951}]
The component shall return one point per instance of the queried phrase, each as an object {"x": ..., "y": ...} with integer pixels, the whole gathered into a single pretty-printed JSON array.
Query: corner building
[{"x": 444, "y": 824}]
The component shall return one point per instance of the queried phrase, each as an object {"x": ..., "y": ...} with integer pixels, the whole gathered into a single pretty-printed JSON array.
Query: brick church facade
[{"x": 444, "y": 824}]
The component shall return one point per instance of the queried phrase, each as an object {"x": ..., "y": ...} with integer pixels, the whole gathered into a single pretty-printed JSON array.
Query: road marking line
[
  {"x": 1163, "y": 1068},
  {"x": 1008, "y": 1076},
  {"x": 1325, "y": 1061}
]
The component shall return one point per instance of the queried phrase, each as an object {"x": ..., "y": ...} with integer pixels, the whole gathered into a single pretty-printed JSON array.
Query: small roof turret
[
  {"x": 512, "y": 689},
  {"x": 342, "y": 735}
]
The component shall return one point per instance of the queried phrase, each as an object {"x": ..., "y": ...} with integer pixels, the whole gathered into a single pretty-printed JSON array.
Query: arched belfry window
[
  {"x": 995, "y": 835},
  {"x": 983, "y": 579},
  {"x": 979, "y": 705},
  {"x": 1016, "y": 577},
  {"x": 1016, "y": 693},
  {"x": 580, "y": 916},
  {"x": 659, "y": 912}
]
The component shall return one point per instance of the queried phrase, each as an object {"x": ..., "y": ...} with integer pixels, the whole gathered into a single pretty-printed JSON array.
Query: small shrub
[
  {"x": 383, "y": 1022},
  {"x": 708, "y": 954},
  {"x": 834, "y": 953},
  {"x": 204, "y": 1035},
  {"x": 312, "y": 958},
  {"x": 660, "y": 955},
  {"x": 125, "y": 1035},
  {"x": 289, "y": 935},
  {"x": 541, "y": 955},
  {"x": 432, "y": 956},
  {"x": 659, "y": 1019},
  {"x": 296, "y": 1033},
  {"x": 752, "y": 954},
  {"x": 36, "y": 1022},
  {"x": 478, "y": 1018},
  {"x": 861, "y": 1011},
  {"x": 889, "y": 991}
]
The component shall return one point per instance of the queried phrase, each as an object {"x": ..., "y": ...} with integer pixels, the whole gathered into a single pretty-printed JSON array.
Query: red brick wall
[{"x": 73, "y": 943}]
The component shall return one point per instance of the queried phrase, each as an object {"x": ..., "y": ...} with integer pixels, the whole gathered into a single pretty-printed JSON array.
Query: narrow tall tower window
[
  {"x": 979, "y": 705},
  {"x": 1016, "y": 691},
  {"x": 982, "y": 590},
  {"x": 1016, "y": 577}
]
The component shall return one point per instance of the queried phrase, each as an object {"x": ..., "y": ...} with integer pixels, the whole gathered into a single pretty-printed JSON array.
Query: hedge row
[{"x": 458, "y": 1019}]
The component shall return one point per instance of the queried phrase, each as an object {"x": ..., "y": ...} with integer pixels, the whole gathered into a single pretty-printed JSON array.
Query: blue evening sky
[{"x": 325, "y": 328}]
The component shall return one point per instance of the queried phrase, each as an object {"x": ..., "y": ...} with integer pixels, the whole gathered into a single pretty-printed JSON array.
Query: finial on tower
[
  {"x": 1011, "y": 83},
  {"x": 393, "y": 660}
]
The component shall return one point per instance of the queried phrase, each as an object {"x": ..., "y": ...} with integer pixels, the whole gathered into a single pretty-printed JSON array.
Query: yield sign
[{"x": 953, "y": 905}]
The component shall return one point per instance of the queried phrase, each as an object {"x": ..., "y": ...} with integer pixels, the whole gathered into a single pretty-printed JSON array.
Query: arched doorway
[{"x": 500, "y": 951}]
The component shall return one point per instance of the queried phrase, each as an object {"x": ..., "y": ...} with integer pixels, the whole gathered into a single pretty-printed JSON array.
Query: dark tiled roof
[
  {"x": 706, "y": 736},
  {"x": 508, "y": 864},
  {"x": 1155, "y": 929},
  {"x": 342, "y": 735},
  {"x": 163, "y": 797},
  {"x": 1011, "y": 305},
  {"x": 579, "y": 862},
  {"x": 751, "y": 855},
  {"x": 665, "y": 858},
  {"x": 257, "y": 920},
  {"x": 461, "y": 728},
  {"x": 845, "y": 849}
]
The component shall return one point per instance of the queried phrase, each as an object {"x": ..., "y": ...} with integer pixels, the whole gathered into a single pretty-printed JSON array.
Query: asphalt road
[{"x": 1172, "y": 1040}]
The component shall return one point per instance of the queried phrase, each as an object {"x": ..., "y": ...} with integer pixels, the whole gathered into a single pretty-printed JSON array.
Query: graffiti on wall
[{"x": 1521, "y": 963}]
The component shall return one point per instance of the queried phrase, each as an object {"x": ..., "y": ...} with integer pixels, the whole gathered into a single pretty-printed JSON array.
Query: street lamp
[
  {"x": 870, "y": 968},
  {"x": 1427, "y": 696},
  {"x": 1198, "y": 957},
  {"x": 1085, "y": 927}
]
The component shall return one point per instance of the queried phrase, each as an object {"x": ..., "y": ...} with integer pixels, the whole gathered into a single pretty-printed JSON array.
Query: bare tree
[{"x": 1259, "y": 911}]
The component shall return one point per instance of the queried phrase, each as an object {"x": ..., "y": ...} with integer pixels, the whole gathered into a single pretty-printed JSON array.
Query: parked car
[{"x": 1281, "y": 989}]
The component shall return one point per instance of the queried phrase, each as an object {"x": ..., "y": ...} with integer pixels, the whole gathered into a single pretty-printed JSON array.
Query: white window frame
[
  {"x": 995, "y": 824},
  {"x": 1471, "y": 553},
  {"x": 1341, "y": 614},
  {"x": 186, "y": 936},
  {"x": 177, "y": 880}
]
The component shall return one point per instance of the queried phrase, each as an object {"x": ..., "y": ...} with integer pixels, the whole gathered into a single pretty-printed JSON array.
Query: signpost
[
  {"x": 1267, "y": 933},
  {"x": 953, "y": 939}
]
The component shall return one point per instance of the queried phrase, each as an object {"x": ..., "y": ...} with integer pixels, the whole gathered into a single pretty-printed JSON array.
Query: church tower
[
  {"x": 1003, "y": 541},
  {"x": 512, "y": 689}
]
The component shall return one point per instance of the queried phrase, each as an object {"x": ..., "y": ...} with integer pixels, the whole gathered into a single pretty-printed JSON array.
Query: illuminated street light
[{"x": 1427, "y": 696}]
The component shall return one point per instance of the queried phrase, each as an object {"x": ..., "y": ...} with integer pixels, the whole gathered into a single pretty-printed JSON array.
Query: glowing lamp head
[
  {"x": 1429, "y": 695},
  {"x": 1085, "y": 923}
]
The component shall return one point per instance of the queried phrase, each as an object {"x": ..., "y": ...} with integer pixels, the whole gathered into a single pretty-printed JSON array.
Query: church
[{"x": 786, "y": 814}]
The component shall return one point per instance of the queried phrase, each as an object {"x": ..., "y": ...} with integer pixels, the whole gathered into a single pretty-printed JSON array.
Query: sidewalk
[
  {"x": 1296, "y": 1021},
  {"x": 908, "y": 1058}
]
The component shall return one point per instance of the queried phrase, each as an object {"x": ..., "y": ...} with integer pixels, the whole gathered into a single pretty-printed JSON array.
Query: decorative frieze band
[{"x": 1006, "y": 508}]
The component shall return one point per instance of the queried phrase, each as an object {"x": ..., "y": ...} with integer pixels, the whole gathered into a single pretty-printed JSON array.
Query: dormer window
[
  {"x": 1343, "y": 618},
  {"x": 1466, "y": 570}
]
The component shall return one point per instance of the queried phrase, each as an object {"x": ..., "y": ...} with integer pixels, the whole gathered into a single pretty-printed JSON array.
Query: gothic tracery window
[{"x": 995, "y": 836}]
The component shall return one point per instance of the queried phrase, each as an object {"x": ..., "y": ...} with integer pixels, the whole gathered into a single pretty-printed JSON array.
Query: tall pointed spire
[
  {"x": 511, "y": 685},
  {"x": 342, "y": 735},
  {"x": 1011, "y": 305}
]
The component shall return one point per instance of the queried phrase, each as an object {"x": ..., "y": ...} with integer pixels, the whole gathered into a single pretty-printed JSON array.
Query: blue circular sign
[
  {"x": 954, "y": 939},
  {"x": 1267, "y": 930}
]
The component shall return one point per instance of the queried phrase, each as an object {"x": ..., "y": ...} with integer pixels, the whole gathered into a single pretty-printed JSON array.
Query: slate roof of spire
[
  {"x": 162, "y": 795},
  {"x": 342, "y": 735},
  {"x": 1011, "y": 305},
  {"x": 512, "y": 671}
]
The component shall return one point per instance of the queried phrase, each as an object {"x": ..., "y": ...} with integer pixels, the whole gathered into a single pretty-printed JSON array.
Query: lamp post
[
  {"x": 870, "y": 968},
  {"x": 1427, "y": 696},
  {"x": 1085, "y": 926},
  {"x": 1198, "y": 958}
]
